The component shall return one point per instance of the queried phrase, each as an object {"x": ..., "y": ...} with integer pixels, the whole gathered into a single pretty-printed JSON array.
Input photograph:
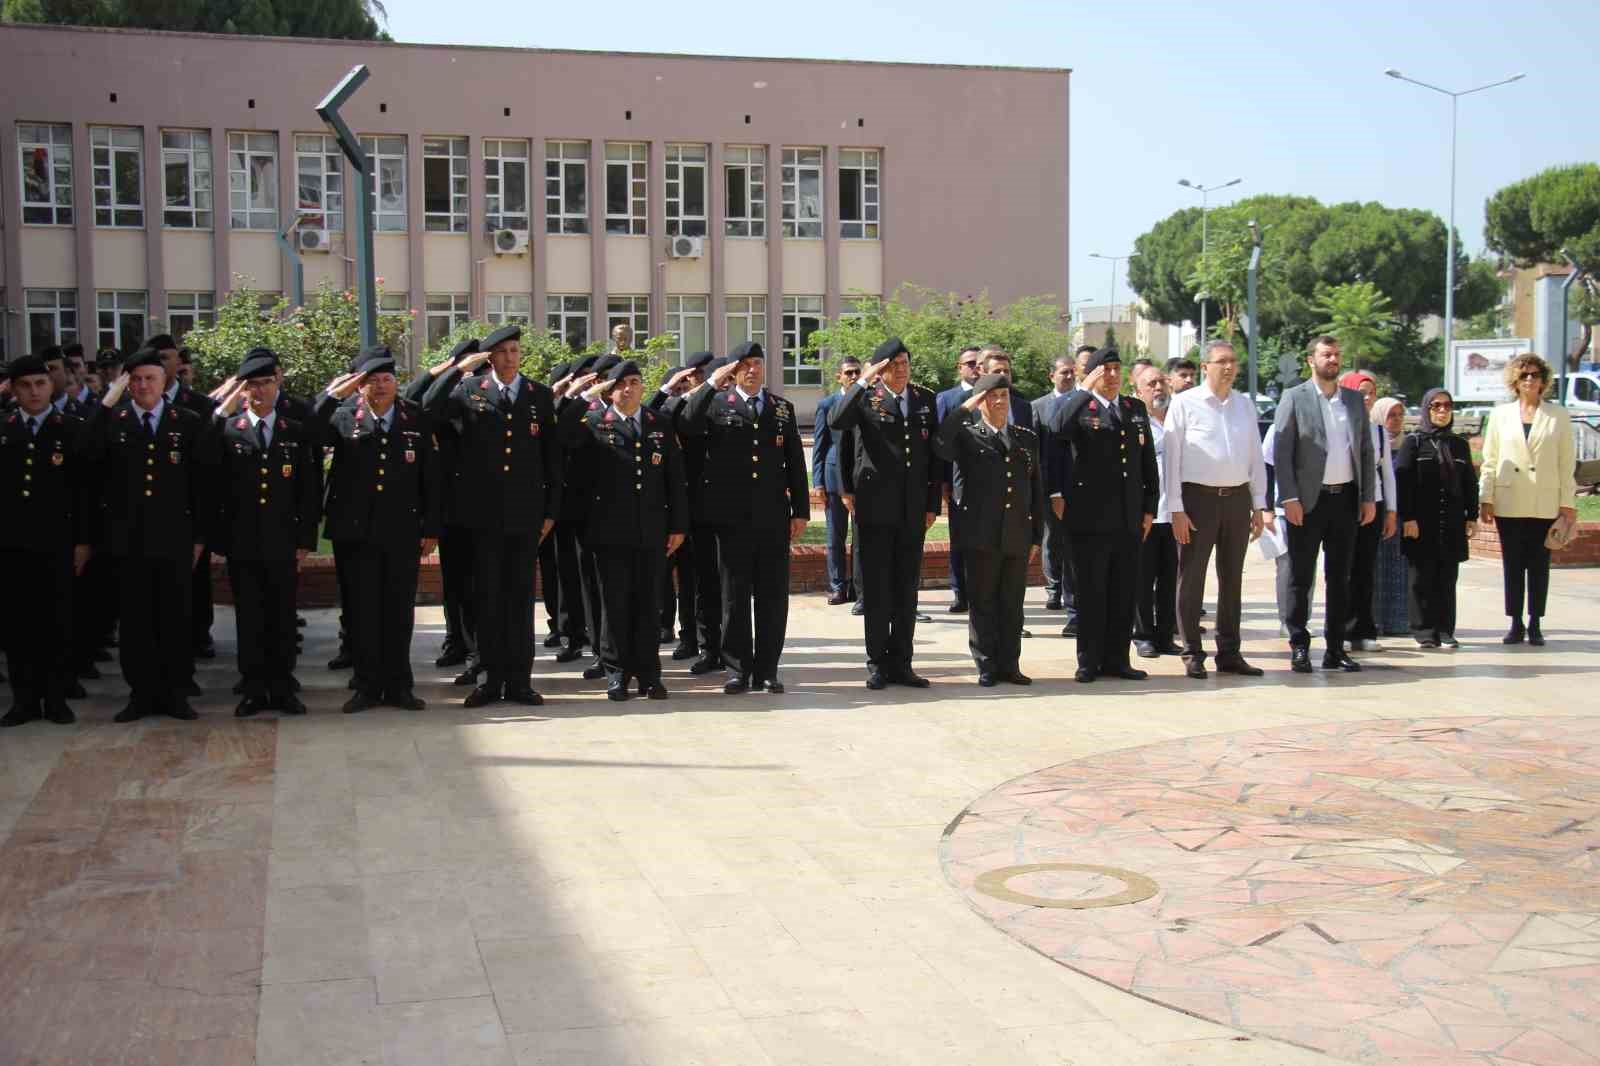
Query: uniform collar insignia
[
  {"x": 594, "y": 405},
  {"x": 484, "y": 384},
  {"x": 610, "y": 416},
  {"x": 241, "y": 424},
  {"x": 361, "y": 412}
]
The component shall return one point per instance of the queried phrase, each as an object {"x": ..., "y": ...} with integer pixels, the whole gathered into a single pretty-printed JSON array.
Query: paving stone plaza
[{"x": 1398, "y": 866}]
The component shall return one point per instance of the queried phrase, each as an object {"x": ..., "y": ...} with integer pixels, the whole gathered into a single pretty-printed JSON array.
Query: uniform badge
[
  {"x": 288, "y": 470},
  {"x": 56, "y": 459},
  {"x": 655, "y": 458},
  {"x": 174, "y": 458},
  {"x": 1094, "y": 423},
  {"x": 779, "y": 441},
  {"x": 924, "y": 434},
  {"x": 411, "y": 456},
  {"x": 1141, "y": 439},
  {"x": 533, "y": 429}
]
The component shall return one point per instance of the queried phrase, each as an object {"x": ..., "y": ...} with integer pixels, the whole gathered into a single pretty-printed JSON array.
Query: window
[
  {"x": 632, "y": 311},
  {"x": 396, "y": 305},
  {"x": 566, "y": 186},
  {"x": 686, "y": 190},
  {"x": 118, "y": 153},
  {"x": 46, "y": 156},
  {"x": 858, "y": 193},
  {"x": 505, "y": 185},
  {"x": 444, "y": 184},
  {"x": 52, "y": 317},
  {"x": 746, "y": 318},
  {"x": 506, "y": 307},
  {"x": 319, "y": 173},
  {"x": 388, "y": 156},
  {"x": 1585, "y": 391},
  {"x": 627, "y": 187},
  {"x": 186, "y": 310},
  {"x": 253, "y": 180},
  {"x": 744, "y": 171},
  {"x": 186, "y": 178},
  {"x": 121, "y": 320},
  {"x": 567, "y": 317},
  {"x": 802, "y": 316},
  {"x": 802, "y": 192},
  {"x": 445, "y": 312},
  {"x": 686, "y": 321}
]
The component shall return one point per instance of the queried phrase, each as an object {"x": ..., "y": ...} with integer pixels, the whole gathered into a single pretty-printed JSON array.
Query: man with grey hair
[
  {"x": 1215, "y": 484},
  {"x": 1157, "y": 599},
  {"x": 1057, "y": 566}
]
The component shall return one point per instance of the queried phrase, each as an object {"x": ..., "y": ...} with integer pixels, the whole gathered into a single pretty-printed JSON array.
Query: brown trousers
[{"x": 1221, "y": 524}]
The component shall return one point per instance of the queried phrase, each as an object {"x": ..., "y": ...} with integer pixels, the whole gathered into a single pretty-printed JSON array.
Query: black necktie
[
  {"x": 755, "y": 404},
  {"x": 33, "y": 425},
  {"x": 261, "y": 433},
  {"x": 149, "y": 424}
]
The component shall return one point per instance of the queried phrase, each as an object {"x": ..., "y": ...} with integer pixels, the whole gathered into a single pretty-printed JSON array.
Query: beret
[
  {"x": 466, "y": 347},
  {"x": 623, "y": 369},
  {"x": 747, "y": 350},
  {"x": 72, "y": 349},
  {"x": 559, "y": 371},
  {"x": 258, "y": 363},
  {"x": 585, "y": 365},
  {"x": 142, "y": 357},
  {"x": 376, "y": 359},
  {"x": 602, "y": 365},
  {"x": 991, "y": 381},
  {"x": 1102, "y": 356},
  {"x": 717, "y": 364},
  {"x": 49, "y": 352},
  {"x": 889, "y": 349},
  {"x": 24, "y": 365},
  {"x": 508, "y": 332},
  {"x": 161, "y": 341},
  {"x": 699, "y": 360}
]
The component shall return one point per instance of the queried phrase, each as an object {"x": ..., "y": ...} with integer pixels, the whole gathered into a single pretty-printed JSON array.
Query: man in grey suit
[
  {"x": 1058, "y": 594},
  {"x": 1326, "y": 486}
]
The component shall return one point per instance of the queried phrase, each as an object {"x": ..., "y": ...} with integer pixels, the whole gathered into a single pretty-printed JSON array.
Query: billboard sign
[{"x": 1476, "y": 368}]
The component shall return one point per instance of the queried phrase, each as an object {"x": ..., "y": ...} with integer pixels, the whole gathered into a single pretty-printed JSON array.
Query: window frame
[
  {"x": 378, "y": 147},
  {"x": 201, "y": 311},
  {"x": 635, "y": 168},
  {"x": 561, "y": 217},
  {"x": 750, "y": 160},
  {"x": 795, "y": 361},
  {"x": 240, "y": 180},
  {"x": 456, "y": 310},
  {"x": 495, "y": 184},
  {"x": 110, "y": 211},
  {"x": 64, "y": 302},
  {"x": 636, "y": 314},
  {"x": 330, "y": 181},
  {"x": 864, "y": 167},
  {"x": 496, "y": 313},
  {"x": 559, "y": 317},
  {"x": 195, "y": 157},
  {"x": 57, "y": 154},
  {"x": 749, "y": 309},
  {"x": 808, "y": 227},
  {"x": 120, "y": 317},
  {"x": 679, "y": 170},
  {"x": 457, "y": 159},
  {"x": 676, "y": 313}
]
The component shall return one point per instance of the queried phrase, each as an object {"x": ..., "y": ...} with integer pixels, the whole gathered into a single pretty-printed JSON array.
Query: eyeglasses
[
  {"x": 967, "y": 363},
  {"x": 851, "y": 371}
]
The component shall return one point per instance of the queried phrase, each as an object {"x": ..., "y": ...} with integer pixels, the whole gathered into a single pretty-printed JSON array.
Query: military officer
[
  {"x": 61, "y": 398},
  {"x": 455, "y": 540},
  {"x": 998, "y": 492},
  {"x": 638, "y": 516},
  {"x": 578, "y": 586},
  {"x": 1106, "y": 489},
  {"x": 701, "y": 547},
  {"x": 508, "y": 494},
  {"x": 898, "y": 481},
  {"x": 683, "y": 602},
  {"x": 270, "y": 474},
  {"x": 43, "y": 541},
  {"x": 159, "y": 473},
  {"x": 549, "y": 564},
  {"x": 757, "y": 499},
  {"x": 382, "y": 516}
]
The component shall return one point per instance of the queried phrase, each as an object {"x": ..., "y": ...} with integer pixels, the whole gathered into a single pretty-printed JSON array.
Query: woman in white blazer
[{"x": 1525, "y": 483}]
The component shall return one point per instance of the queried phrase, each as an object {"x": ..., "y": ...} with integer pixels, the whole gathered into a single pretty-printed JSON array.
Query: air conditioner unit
[
  {"x": 686, "y": 247},
  {"x": 510, "y": 242},
  {"x": 314, "y": 240}
]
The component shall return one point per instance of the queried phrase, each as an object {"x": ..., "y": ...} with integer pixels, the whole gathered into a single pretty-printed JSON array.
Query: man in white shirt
[
  {"x": 1156, "y": 621},
  {"x": 1215, "y": 486}
]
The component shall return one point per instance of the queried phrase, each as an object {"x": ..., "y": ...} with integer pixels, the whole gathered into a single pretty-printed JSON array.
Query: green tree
[
  {"x": 1532, "y": 220},
  {"x": 340, "y": 19},
  {"x": 1359, "y": 315}
]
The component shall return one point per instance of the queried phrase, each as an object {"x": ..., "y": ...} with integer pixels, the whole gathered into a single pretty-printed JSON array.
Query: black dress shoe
[
  {"x": 1126, "y": 673},
  {"x": 208, "y": 650},
  {"x": 736, "y": 684},
  {"x": 73, "y": 690},
  {"x": 1341, "y": 661},
  {"x": 469, "y": 676},
  {"x": 353, "y": 684},
  {"x": 361, "y": 701},
  {"x": 705, "y": 664},
  {"x": 89, "y": 672},
  {"x": 23, "y": 713},
  {"x": 289, "y": 703},
  {"x": 958, "y": 606},
  {"x": 524, "y": 694},
  {"x": 1070, "y": 629},
  {"x": 1169, "y": 648},
  {"x": 179, "y": 708},
  {"x": 858, "y": 608},
  {"x": 570, "y": 654},
  {"x": 654, "y": 691},
  {"x": 685, "y": 650},
  {"x": 911, "y": 679},
  {"x": 248, "y": 707},
  {"x": 1300, "y": 660},
  {"x": 618, "y": 689},
  {"x": 404, "y": 699},
  {"x": 135, "y": 710},
  {"x": 1017, "y": 677},
  {"x": 835, "y": 599},
  {"x": 1053, "y": 603},
  {"x": 1535, "y": 634},
  {"x": 481, "y": 696},
  {"x": 1515, "y": 634},
  {"x": 1146, "y": 650},
  {"x": 343, "y": 661},
  {"x": 57, "y": 711},
  {"x": 450, "y": 657},
  {"x": 1196, "y": 670},
  {"x": 772, "y": 685},
  {"x": 923, "y": 617},
  {"x": 1235, "y": 664},
  {"x": 876, "y": 681},
  {"x": 1083, "y": 675},
  {"x": 987, "y": 680},
  {"x": 594, "y": 671},
  {"x": 553, "y": 640}
]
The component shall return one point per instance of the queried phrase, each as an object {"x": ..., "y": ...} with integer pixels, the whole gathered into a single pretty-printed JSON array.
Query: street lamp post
[
  {"x": 1450, "y": 234},
  {"x": 1205, "y": 192},
  {"x": 1111, "y": 313}
]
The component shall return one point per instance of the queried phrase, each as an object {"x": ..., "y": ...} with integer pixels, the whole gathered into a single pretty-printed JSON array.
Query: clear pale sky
[{"x": 1288, "y": 96}]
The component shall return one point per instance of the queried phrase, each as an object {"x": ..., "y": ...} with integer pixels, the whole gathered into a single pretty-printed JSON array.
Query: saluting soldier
[
  {"x": 898, "y": 480},
  {"x": 508, "y": 493},
  {"x": 684, "y": 601},
  {"x": 638, "y": 517},
  {"x": 44, "y": 541},
  {"x": 455, "y": 540},
  {"x": 699, "y": 552},
  {"x": 382, "y": 516},
  {"x": 997, "y": 493},
  {"x": 577, "y": 482},
  {"x": 577, "y": 587},
  {"x": 1106, "y": 489},
  {"x": 270, "y": 471},
  {"x": 159, "y": 466},
  {"x": 549, "y": 564},
  {"x": 757, "y": 501}
]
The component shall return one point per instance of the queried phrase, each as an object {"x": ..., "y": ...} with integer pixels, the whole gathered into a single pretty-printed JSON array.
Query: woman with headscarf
[
  {"x": 1389, "y": 589},
  {"x": 1362, "y": 627},
  {"x": 1438, "y": 495}
]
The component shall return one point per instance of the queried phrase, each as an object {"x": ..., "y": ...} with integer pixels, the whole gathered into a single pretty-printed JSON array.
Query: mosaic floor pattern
[{"x": 1424, "y": 891}]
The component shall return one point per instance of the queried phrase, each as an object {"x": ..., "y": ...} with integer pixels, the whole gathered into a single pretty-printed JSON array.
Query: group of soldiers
[{"x": 637, "y": 511}]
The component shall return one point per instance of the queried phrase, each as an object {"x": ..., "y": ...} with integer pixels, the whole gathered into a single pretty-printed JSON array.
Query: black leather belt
[{"x": 1213, "y": 490}]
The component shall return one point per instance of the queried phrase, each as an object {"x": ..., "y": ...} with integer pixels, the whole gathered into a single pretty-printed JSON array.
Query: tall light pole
[
  {"x": 1205, "y": 192},
  {"x": 1450, "y": 234},
  {"x": 1111, "y": 314}
]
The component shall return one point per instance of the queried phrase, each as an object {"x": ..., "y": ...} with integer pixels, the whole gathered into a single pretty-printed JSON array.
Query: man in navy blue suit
[
  {"x": 825, "y": 472},
  {"x": 967, "y": 366}
]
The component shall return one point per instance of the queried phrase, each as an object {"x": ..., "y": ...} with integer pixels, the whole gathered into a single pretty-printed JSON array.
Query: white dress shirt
[
  {"x": 758, "y": 399},
  {"x": 1158, "y": 437},
  {"x": 1340, "y": 469},
  {"x": 140, "y": 412},
  {"x": 1213, "y": 442},
  {"x": 270, "y": 419},
  {"x": 508, "y": 389}
]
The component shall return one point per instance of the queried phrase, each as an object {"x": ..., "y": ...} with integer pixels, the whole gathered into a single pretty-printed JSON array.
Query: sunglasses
[
  {"x": 850, "y": 371},
  {"x": 1531, "y": 375}
]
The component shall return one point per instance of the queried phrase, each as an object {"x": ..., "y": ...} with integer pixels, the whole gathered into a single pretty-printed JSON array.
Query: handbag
[{"x": 1561, "y": 532}]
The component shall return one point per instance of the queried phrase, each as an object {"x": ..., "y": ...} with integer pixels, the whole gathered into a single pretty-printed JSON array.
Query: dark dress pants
[
  {"x": 263, "y": 604},
  {"x": 1363, "y": 572},
  {"x": 344, "y": 575},
  {"x": 707, "y": 590},
  {"x": 996, "y": 584},
  {"x": 754, "y": 565},
  {"x": 549, "y": 582},
  {"x": 571, "y": 606},
  {"x": 678, "y": 599},
  {"x": 203, "y": 610},
  {"x": 94, "y": 598},
  {"x": 383, "y": 580},
  {"x": 891, "y": 565},
  {"x": 156, "y": 649},
  {"x": 1432, "y": 596},
  {"x": 37, "y": 621},
  {"x": 630, "y": 589},
  {"x": 503, "y": 582},
  {"x": 589, "y": 585},
  {"x": 1056, "y": 559},
  {"x": 1158, "y": 586},
  {"x": 958, "y": 576},
  {"x": 455, "y": 573},
  {"x": 839, "y": 575},
  {"x": 1107, "y": 568},
  {"x": 1525, "y": 563},
  {"x": 1329, "y": 527}
]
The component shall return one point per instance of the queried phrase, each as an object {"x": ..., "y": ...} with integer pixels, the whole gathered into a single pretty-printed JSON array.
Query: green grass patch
[
  {"x": 1589, "y": 508},
  {"x": 817, "y": 531}
]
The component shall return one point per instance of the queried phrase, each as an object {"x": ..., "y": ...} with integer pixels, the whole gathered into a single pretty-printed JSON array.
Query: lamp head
[
  {"x": 1393, "y": 73},
  {"x": 1235, "y": 181},
  {"x": 1186, "y": 183}
]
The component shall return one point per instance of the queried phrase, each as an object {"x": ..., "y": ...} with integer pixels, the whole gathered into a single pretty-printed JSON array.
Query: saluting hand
[
  {"x": 473, "y": 362},
  {"x": 114, "y": 393},
  {"x": 674, "y": 384},
  {"x": 345, "y": 385},
  {"x": 230, "y": 399},
  {"x": 593, "y": 389},
  {"x": 561, "y": 386},
  {"x": 216, "y": 393},
  {"x": 971, "y": 402},
  {"x": 872, "y": 373},
  {"x": 723, "y": 375},
  {"x": 674, "y": 542}
]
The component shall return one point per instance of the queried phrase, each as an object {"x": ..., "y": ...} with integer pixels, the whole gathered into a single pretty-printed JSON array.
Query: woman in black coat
[{"x": 1438, "y": 496}]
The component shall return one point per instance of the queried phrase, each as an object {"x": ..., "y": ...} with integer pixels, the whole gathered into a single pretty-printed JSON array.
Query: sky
[{"x": 1290, "y": 97}]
